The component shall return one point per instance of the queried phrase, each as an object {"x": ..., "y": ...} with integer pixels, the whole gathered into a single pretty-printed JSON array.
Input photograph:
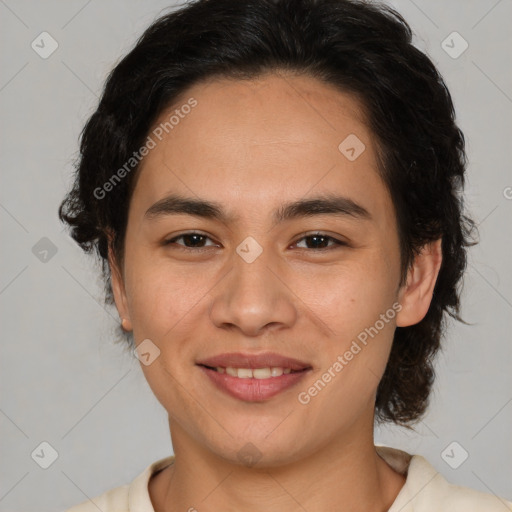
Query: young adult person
[{"x": 274, "y": 188}]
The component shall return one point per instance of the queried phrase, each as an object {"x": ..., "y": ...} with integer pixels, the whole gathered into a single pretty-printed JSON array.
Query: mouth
[
  {"x": 253, "y": 378},
  {"x": 253, "y": 373}
]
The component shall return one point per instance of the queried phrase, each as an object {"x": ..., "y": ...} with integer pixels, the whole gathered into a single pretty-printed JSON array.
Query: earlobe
[
  {"x": 416, "y": 295},
  {"x": 126, "y": 325},
  {"x": 118, "y": 289}
]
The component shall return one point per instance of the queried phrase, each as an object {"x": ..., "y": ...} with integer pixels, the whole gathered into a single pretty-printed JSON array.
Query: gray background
[{"x": 65, "y": 381}]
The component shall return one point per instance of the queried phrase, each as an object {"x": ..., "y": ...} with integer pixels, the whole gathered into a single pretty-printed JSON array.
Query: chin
[{"x": 259, "y": 451}]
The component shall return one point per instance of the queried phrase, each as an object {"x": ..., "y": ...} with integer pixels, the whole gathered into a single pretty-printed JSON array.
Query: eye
[
  {"x": 193, "y": 240},
  {"x": 319, "y": 241}
]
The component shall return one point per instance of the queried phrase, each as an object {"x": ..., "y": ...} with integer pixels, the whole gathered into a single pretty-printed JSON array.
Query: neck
[{"x": 344, "y": 475}]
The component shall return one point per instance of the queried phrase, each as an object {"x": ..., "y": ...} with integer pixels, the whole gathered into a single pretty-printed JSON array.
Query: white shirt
[{"x": 425, "y": 490}]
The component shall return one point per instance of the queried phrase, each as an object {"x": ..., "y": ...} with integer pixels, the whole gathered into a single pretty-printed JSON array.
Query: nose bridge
[
  {"x": 252, "y": 296},
  {"x": 251, "y": 280},
  {"x": 251, "y": 267}
]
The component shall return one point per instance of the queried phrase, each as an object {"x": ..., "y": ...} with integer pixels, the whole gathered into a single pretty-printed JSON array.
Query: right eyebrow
[{"x": 175, "y": 204}]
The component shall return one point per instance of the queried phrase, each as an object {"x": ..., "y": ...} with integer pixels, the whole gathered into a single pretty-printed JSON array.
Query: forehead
[
  {"x": 246, "y": 141},
  {"x": 270, "y": 110}
]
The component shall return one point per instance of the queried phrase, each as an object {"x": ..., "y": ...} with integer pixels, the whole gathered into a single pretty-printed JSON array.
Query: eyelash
[{"x": 337, "y": 243}]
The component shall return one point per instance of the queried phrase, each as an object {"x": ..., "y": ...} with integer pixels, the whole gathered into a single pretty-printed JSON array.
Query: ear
[
  {"x": 118, "y": 288},
  {"x": 415, "y": 296}
]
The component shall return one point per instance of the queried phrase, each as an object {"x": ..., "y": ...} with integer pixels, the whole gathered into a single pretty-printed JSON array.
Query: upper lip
[{"x": 264, "y": 360}]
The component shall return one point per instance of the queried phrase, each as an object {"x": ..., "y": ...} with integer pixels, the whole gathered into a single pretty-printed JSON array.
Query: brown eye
[
  {"x": 321, "y": 241},
  {"x": 191, "y": 240}
]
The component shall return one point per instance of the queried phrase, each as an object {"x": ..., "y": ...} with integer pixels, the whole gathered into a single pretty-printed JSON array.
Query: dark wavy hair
[{"x": 363, "y": 49}]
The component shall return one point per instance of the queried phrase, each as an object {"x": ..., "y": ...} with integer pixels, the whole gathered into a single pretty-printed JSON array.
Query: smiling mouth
[
  {"x": 253, "y": 373},
  {"x": 253, "y": 377}
]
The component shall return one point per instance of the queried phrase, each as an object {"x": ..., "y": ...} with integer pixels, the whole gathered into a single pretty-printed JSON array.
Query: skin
[{"x": 252, "y": 146}]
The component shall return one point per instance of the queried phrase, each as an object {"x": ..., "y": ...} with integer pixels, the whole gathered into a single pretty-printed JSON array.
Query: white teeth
[
  {"x": 262, "y": 373},
  {"x": 244, "y": 373},
  {"x": 256, "y": 373},
  {"x": 277, "y": 372}
]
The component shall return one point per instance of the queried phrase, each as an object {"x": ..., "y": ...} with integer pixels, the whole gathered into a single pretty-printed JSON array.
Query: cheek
[
  {"x": 171, "y": 389},
  {"x": 161, "y": 294},
  {"x": 359, "y": 304},
  {"x": 351, "y": 296}
]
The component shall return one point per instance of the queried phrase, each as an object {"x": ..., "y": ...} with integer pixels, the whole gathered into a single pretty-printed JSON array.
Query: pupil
[
  {"x": 316, "y": 237},
  {"x": 188, "y": 237}
]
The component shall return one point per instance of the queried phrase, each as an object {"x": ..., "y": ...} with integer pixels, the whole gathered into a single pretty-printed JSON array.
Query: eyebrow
[{"x": 175, "y": 204}]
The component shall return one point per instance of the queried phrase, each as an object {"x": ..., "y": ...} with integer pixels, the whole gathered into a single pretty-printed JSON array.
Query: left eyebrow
[{"x": 332, "y": 205}]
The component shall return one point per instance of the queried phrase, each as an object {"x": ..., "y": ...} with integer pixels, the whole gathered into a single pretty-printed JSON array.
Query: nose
[{"x": 253, "y": 297}]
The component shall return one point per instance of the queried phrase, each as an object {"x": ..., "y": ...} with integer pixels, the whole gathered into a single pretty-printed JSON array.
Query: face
[{"x": 295, "y": 258}]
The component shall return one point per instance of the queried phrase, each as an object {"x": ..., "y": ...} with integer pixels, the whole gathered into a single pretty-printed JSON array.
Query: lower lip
[{"x": 253, "y": 390}]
